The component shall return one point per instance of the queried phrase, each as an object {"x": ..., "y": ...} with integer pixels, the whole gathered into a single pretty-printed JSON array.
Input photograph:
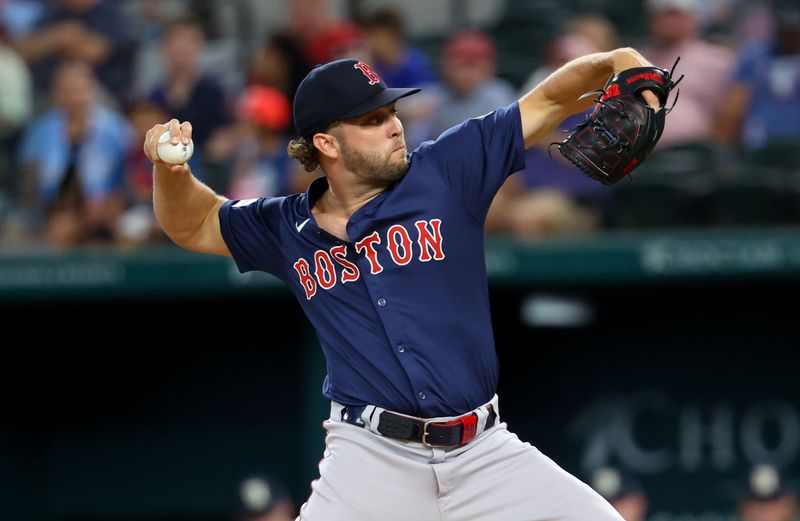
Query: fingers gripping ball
[{"x": 174, "y": 154}]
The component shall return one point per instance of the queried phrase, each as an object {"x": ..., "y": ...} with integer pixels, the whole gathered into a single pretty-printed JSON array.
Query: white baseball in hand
[{"x": 173, "y": 154}]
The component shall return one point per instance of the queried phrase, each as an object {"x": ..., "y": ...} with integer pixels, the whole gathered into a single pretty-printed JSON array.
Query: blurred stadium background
[{"x": 650, "y": 327}]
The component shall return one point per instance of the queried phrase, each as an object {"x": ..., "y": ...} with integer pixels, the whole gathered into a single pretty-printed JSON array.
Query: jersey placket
[{"x": 382, "y": 298}]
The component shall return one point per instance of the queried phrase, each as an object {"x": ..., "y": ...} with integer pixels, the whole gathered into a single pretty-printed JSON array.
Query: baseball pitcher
[{"x": 385, "y": 253}]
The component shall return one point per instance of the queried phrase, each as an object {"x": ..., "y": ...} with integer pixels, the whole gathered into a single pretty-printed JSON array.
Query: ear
[{"x": 327, "y": 144}]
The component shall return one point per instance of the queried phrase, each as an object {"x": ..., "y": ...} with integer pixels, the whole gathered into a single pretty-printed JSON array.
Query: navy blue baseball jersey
[{"x": 402, "y": 308}]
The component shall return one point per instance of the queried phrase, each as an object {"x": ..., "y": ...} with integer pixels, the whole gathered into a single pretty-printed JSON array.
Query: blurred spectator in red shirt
[
  {"x": 254, "y": 149},
  {"x": 324, "y": 37},
  {"x": 469, "y": 86},
  {"x": 279, "y": 64}
]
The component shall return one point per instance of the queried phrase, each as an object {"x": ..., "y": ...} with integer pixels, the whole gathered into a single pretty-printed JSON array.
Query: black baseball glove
[{"x": 622, "y": 129}]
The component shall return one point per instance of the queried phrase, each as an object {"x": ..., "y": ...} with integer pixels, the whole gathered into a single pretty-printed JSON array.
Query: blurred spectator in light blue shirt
[
  {"x": 762, "y": 103},
  {"x": 16, "y": 107},
  {"x": 73, "y": 159},
  {"x": 469, "y": 86},
  {"x": 18, "y": 17}
]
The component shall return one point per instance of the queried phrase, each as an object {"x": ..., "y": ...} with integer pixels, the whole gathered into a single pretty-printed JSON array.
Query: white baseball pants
[{"x": 365, "y": 476}]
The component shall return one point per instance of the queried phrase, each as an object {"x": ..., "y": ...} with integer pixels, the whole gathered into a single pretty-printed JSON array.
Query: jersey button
[
  {"x": 421, "y": 395},
  {"x": 381, "y": 302},
  {"x": 401, "y": 348}
]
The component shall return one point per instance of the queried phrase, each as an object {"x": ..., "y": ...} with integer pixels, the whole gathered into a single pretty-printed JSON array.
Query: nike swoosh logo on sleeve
[
  {"x": 300, "y": 226},
  {"x": 244, "y": 202}
]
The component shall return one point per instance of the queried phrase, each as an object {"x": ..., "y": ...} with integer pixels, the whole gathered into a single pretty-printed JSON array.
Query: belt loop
[
  {"x": 371, "y": 417},
  {"x": 483, "y": 414},
  {"x": 337, "y": 410},
  {"x": 496, "y": 406}
]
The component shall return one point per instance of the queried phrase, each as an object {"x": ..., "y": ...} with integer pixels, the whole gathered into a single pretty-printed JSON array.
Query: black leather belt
[{"x": 433, "y": 434}]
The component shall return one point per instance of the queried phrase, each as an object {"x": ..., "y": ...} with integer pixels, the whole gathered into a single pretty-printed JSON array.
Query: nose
[{"x": 395, "y": 127}]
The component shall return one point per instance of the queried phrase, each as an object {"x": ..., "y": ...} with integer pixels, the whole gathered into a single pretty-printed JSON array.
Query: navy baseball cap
[{"x": 341, "y": 89}]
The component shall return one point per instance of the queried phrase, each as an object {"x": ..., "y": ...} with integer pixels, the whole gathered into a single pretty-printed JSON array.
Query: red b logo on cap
[{"x": 368, "y": 72}]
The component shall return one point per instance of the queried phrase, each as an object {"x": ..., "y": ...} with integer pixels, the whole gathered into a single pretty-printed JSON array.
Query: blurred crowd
[
  {"x": 81, "y": 81},
  {"x": 764, "y": 493}
]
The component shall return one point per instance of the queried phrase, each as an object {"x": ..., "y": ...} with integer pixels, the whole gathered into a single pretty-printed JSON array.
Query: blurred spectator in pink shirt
[
  {"x": 582, "y": 35},
  {"x": 674, "y": 31}
]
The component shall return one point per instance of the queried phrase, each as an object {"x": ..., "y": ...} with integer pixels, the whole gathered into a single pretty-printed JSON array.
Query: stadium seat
[
  {"x": 652, "y": 204},
  {"x": 778, "y": 156}
]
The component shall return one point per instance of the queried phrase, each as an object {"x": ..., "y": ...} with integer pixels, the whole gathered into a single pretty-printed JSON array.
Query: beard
[{"x": 372, "y": 165}]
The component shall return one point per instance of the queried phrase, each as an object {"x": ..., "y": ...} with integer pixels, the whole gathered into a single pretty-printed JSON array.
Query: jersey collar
[{"x": 312, "y": 195}]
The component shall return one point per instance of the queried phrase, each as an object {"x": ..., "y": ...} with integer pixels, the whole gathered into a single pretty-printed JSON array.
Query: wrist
[{"x": 627, "y": 58}]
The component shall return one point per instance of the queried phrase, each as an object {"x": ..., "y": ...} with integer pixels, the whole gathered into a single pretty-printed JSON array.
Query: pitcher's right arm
[{"x": 186, "y": 209}]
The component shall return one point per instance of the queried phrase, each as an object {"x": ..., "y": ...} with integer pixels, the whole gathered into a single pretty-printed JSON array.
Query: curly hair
[{"x": 305, "y": 152}]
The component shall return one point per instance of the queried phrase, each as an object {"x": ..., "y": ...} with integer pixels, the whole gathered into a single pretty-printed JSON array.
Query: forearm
[
  {"x": 181, "y": 202},
  {"x": 557, "y": 97},
  {"x": 586, "y": 74}
]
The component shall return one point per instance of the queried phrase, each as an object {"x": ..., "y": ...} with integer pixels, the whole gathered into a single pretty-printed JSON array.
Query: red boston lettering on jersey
[
  {"x": 325, "y": 272},
  {"x": 371, "y": 75},
  {"x": 397, "y": 240},
  {"x": 430, "y": 240},
  {"x": 306, "y": 280},
  {"x": 350, "y": 272},
  {"x": 399, "y": 244},
  {"x": 367, "y": 247}
]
